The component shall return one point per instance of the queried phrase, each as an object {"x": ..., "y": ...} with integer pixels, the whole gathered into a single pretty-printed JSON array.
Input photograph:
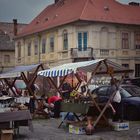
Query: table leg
[{"x": 63, "y": 120}]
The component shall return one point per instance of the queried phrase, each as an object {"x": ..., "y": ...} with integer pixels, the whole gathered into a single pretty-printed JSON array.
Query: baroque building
[{"x": 79, "y": 30}]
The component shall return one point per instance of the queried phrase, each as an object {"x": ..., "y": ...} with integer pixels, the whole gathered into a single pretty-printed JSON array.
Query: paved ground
[{"x": 46, "y": 129}]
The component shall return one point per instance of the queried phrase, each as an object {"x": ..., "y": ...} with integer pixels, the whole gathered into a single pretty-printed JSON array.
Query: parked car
[
  {"x": 130, "y": 104},
  {"x": 133, "y": 81},
  {"x": 132, "y": 89}
]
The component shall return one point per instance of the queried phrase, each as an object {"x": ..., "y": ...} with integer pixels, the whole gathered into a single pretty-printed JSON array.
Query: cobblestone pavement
[{"x": 47, "y": 129}]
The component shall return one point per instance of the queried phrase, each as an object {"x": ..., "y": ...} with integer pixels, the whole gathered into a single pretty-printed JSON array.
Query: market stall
[
  {"x": 19, "y": 83},
  {"x": 94, "y": 67},
  {"x": 20, "y": 72}
]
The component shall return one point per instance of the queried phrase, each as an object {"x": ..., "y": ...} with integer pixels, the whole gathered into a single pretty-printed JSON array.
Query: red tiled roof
[{"x": 67, "y": 11}]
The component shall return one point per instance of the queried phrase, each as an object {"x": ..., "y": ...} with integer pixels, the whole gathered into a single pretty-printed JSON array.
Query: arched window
[
  {"x": 29, "y": 49},
  {"x": 104, "y": 38},
  {"x": 52, "y": 43},
  {"x": 65, "y": 40},
  {"x": 36, "y": 47},
  {"x": 43, "y": 45}
]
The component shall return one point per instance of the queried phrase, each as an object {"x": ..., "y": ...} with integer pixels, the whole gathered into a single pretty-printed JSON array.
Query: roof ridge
[{"x": 84, "y": 8}]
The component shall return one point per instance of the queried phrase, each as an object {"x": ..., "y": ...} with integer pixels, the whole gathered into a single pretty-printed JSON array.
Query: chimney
[
  {"x": 15, "y": 26},
  {"x": 56, "y": 1},
  {"x": 134, "y": 3}
]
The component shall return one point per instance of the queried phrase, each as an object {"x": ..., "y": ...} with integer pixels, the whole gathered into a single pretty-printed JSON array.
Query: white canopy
[
  {"x": 16, "y": 72},
  {"x": 86, "y": 66}
]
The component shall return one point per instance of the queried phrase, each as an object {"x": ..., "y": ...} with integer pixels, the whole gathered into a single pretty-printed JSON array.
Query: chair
[{"x": 39, "y": 110}]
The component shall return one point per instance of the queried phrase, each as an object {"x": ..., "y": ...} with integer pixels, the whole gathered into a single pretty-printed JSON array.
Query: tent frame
[
  {"x": 109, "y": 71},
  {"x": 28, "y": 82}
]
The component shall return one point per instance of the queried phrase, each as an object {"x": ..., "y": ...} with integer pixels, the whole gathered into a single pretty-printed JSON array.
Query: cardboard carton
[
  {"x": 6, "y": 134},
  {"x": 119, "y": 126},
  {"x": 76, "y": 129}
]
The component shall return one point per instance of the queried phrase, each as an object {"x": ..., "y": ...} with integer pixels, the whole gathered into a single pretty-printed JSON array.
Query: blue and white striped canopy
[
  {"x": 66, "y": 69},
  {"x": 86, "y": 66}
]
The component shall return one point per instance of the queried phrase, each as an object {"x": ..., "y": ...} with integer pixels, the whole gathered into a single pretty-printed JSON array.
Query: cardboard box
[
  {"x": 76, "y": 129},
  {"x": 7, "y": 134},
  {"x": 119, "y": 126}
]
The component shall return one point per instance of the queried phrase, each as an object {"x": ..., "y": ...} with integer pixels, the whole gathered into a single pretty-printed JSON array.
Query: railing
[{"x": 85, "y": 53}]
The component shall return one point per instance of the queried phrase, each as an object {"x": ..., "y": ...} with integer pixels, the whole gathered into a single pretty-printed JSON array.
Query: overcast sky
[{"x": 26, "y": 10}]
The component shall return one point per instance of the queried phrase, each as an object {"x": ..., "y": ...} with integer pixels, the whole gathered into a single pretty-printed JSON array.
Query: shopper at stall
[
  {"x": 34, "y": 89},
  {"x": 66, "y": 90},
  {"x": 55, "y": 103},
  {"x": 83, "y": 88},
  {"x": 116, "y": 101}
]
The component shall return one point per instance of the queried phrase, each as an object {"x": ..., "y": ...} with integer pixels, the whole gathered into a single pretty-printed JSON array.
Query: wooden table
[{"x": 17, "y": 119}]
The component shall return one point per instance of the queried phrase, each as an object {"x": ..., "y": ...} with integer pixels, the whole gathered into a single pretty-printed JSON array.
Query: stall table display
[{"x": 5, "y": 101}]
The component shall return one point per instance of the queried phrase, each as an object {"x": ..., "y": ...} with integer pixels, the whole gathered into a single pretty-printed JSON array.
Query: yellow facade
[{"x": 104, "y": 38}]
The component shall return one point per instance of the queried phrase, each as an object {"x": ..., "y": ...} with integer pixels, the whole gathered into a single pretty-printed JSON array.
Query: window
[
  {"x": 137, "y": 40},
  {"x": 65, "y": 40},
  {"x": 35, "y": 47},
  {"x": 104, "y": 37},
  {"x": 19, "y": 49},
  {"x": 7, "y": 58},
  {"x": 43, "y": 45},
  {"x": 137, "y": 70},
  {"x": 29, "y": 49},
  {"x": 52, "y": 44},
  {"x": 82, "y": 41},
  {"x": 125, "y": 41}
]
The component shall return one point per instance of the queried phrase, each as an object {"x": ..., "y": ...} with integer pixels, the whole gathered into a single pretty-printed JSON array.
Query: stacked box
[
  {"x": 6, "y": 134},
  {"x": 76, "y": 129},
  {"x": 119, "y": 126}
]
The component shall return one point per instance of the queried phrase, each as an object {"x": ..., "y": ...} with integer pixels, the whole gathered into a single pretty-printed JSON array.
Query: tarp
[
  {"x": 16, "y": 72},
  {"x": 20, "y": 84},
  {"x": 85, "y": 66}
]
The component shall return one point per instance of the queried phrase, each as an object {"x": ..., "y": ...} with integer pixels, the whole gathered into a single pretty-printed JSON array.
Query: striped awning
[
  {"x": 86, "y": 66},
  {"x": 66, "y": 69}
]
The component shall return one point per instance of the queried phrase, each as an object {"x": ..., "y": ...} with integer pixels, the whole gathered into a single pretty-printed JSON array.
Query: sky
[{"x": 26, "y": 10}]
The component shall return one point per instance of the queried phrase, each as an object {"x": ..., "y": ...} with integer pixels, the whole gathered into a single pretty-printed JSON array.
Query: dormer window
[
  {"x": 37, "y": 22},
  {"x": 106, "y": 8},
  {"x": 46, "y": 19}
]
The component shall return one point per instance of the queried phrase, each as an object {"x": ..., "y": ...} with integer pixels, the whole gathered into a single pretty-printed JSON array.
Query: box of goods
[
  {"x": 119, "y": 126},
  {"x": 76, "y": 129},
  {"x": 6, "y": 134}
]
